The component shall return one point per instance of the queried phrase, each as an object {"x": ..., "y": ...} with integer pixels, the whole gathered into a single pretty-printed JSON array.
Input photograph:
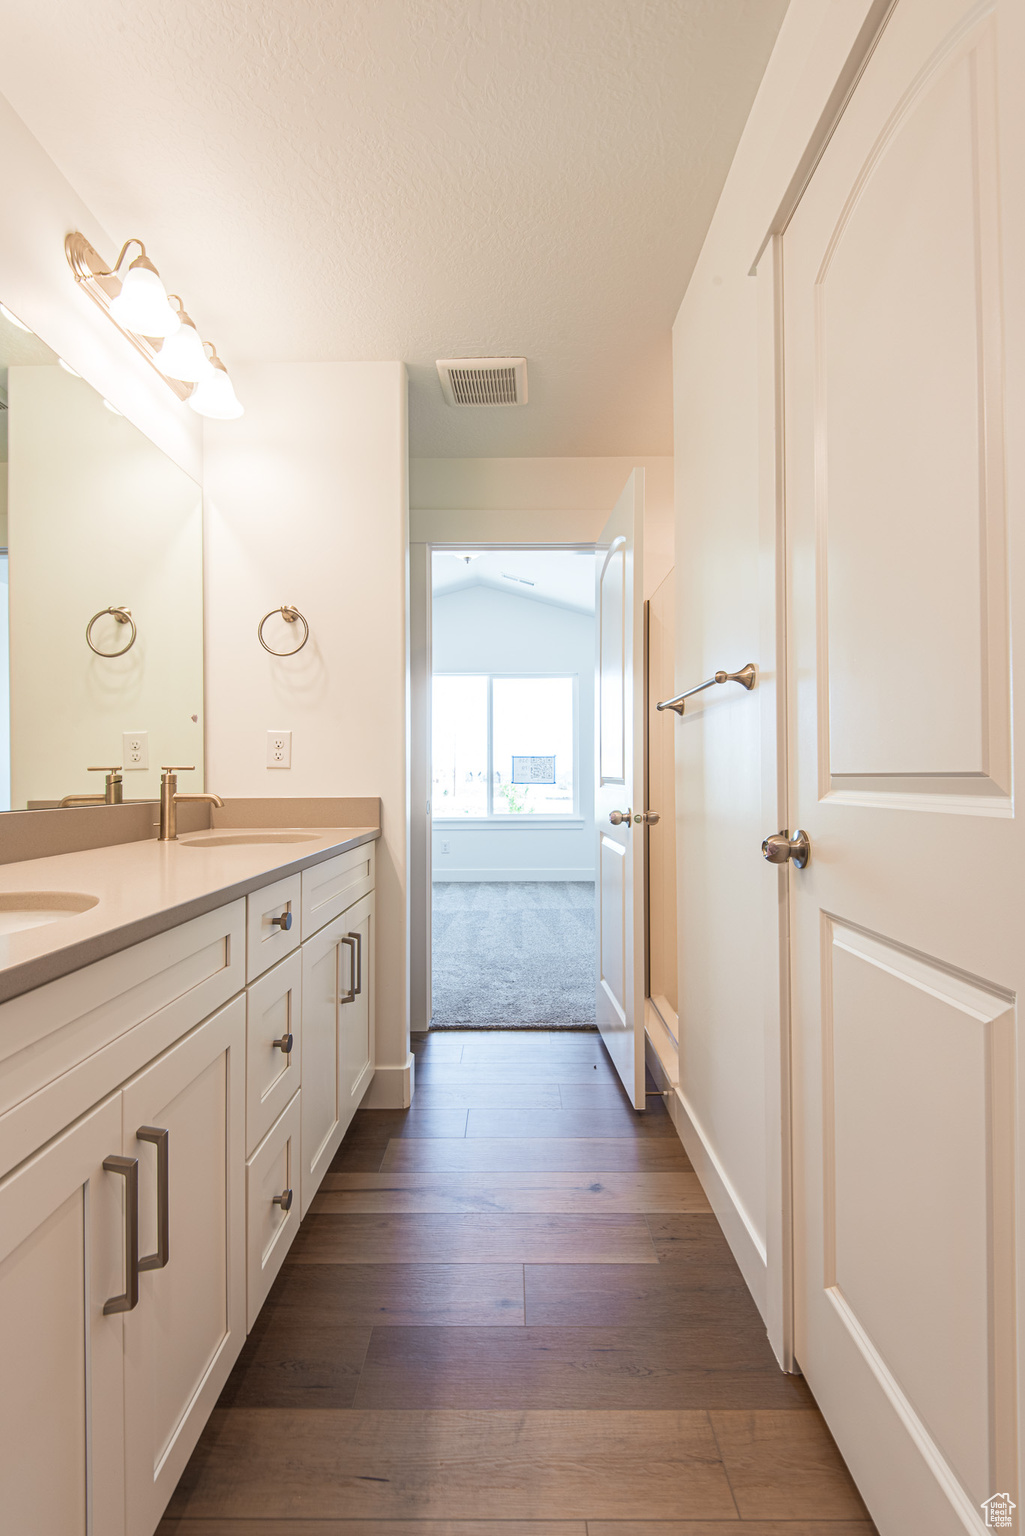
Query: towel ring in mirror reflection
[
  {"x": 120, "y": 615},
  {"x": 290, "y": 614}
]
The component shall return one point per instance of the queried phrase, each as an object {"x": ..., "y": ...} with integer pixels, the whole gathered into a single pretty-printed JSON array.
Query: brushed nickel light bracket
[{"x": 103, "y": 285}]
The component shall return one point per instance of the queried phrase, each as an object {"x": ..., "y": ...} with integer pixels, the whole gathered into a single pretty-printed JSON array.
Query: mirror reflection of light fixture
[
  {"x": 182, "y": 355},
  {"x": 214, "y": 395},
  {"x": 165, "y": 336},
  {"x": 13, "y": 319},
  {"x": 68, "y": 369}
]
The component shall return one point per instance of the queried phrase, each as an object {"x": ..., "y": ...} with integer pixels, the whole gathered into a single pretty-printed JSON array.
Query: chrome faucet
[
  {"x": 112, "y": 795},
  {"x": 170, "y": 799}
]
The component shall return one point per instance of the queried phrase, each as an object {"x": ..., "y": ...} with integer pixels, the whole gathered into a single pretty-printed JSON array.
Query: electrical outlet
[
  {"x": 444, "y": 848},
  {"x": 279, "y": 749},
  {"x": 135, "y": 750}
]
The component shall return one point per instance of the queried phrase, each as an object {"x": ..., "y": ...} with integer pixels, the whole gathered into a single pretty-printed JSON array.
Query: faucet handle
[
  {"x": 115, "y": 769},
  {"x": 177, "y": 768}
]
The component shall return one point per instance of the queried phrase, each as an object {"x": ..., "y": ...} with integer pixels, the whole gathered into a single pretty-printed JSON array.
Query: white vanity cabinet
[{"x": 174, "y": 1107}]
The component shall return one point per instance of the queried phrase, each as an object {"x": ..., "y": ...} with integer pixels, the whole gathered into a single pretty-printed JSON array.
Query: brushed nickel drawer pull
[
  {"x": 128, "y": 1169},
  {"x": 284, "y": 1045},
  {"x": 285, "y": 1200},
  {"x": 359, "y": 961},
  {"x": 284, "y": 922}
]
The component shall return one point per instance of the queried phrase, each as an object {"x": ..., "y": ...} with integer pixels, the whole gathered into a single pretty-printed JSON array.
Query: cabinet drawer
[
  {"x": 272, "y": 1174},
  {"x": 330, "y": 887},
  {"x": 267, "y": 941},
  {"x": 67, "y": 1044},
  {"x": 273, "y": 1012}
]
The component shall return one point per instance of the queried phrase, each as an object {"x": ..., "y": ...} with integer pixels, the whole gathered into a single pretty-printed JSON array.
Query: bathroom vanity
[{"x": 186, "y": 1030}]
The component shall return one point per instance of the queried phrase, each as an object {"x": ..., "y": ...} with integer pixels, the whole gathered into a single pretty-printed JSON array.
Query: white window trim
[
  {"x": 512, "y": 819},
  {"x": 516, "y": 823}
]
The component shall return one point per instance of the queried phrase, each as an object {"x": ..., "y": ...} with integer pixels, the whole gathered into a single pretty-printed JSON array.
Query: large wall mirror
[{"x": 93, "y": 517}]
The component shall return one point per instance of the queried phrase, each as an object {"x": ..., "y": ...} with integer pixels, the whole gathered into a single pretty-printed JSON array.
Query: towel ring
[
  {"x": 290, "y": 614},
  {"x": 121, "y": 616}
]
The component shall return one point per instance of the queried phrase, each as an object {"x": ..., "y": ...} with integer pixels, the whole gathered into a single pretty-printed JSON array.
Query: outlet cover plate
[
  {"x": 135, "y": 750},
  {"x": 279, "y": 749}
]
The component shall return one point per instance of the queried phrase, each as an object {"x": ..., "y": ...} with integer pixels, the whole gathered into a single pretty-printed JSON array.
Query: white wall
[
  {"x": 98, "y": 517},
  {"x": 39, "y": 208},
  {"x": 307, "y": 504},
  {"x": 731, "y": 1106},
  {"x": 553, "y": 500},
  {"x": 480, "y": 628}
]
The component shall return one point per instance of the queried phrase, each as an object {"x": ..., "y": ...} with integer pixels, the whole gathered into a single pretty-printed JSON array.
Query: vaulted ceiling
[{"x": 364, "y": 179}]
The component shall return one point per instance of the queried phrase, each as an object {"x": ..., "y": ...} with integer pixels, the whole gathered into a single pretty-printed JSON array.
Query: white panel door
[
  {"x": 907, "y": 931},
  {"x": 62, "y": 1258},
  {"x": 184, "y": 1336},
  {"x": 619, "y": 787}
]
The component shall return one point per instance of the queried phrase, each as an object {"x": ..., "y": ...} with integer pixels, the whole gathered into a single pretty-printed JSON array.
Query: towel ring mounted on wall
[
  {"x": 121, "y": 616},
  {"x": 290, "y": 614}
]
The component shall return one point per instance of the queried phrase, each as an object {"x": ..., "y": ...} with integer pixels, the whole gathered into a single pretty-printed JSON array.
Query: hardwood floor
[{"x": 511, "y": 1312}]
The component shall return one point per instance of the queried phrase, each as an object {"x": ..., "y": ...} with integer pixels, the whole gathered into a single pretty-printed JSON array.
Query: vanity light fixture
[
  {"x": 182, "y": 355},
  {"x": 142, "y": 305},
  {"x": 14, "y": 319},
  {"x": 165, "y": 335},
  {"x": 214, "y": 395}
]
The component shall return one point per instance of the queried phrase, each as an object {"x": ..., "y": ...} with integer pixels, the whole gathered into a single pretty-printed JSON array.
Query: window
[{"x": 503, "y": 746}]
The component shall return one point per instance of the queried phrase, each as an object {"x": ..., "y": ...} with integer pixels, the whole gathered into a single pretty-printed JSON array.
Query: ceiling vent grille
[{"x": 483, "y": 380}]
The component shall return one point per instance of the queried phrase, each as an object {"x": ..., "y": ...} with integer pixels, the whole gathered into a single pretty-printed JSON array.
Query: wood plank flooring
[{"x": 511, "y": 1312}]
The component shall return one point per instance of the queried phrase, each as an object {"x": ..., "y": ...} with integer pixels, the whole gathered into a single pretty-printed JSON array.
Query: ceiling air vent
[{"x": 483, "y": 380}]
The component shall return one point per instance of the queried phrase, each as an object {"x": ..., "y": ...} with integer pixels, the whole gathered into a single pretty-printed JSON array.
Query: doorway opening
[{"x": 512, "y": 789}]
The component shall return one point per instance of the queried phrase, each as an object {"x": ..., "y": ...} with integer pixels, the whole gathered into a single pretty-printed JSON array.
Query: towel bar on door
[{"x": 745, "y": 677}]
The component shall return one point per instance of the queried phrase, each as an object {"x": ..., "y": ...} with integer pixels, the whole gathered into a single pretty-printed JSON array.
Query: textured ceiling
[{"x": 413, "y": 179}]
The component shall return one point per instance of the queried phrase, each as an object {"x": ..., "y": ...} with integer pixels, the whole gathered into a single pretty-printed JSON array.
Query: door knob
[
  {"x": 650, "y": 818},
  {"x": 620, "y": 818},
  {"x": 779, "y": 848}
]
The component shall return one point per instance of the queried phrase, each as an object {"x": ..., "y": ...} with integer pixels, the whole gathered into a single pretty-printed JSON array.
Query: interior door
[
  {"x": 185, "y": 1334},
  {"x": 902, "y": 359},
  {"x": 62, "y": 1258},
  {"x": 619, "y": 786}
]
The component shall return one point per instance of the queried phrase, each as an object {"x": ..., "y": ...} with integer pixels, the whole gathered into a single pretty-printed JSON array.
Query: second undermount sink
[
  {"x": 243, "y": 839},
  {"x": 32, "y": 909}
]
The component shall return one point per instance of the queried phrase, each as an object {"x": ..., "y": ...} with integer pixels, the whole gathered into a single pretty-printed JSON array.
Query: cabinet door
[
  {"x": 356, "y": 1009},
  {"x": 62, "y": 1256},
  {"x": 184, "y": 1336},
  {"x": 272, "y": 1202},
  {"x": 322, "y": 1122}
]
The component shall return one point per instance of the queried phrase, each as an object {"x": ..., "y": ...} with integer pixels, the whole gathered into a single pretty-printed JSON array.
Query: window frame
[{"x": 516, "y": 819}]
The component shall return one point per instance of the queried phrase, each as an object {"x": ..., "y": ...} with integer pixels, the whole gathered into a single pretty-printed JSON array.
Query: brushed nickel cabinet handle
[
  {"x": 284, "y": 922},
  {"x": 158, "y": 1139},
  {"x": 359, "y": 961},
  {"x": 284, "y": 1044},
  {"x": 127, "y": 1168},
  {"x": 350, "y": 996},
  {"x": 284, "y": 1200}
]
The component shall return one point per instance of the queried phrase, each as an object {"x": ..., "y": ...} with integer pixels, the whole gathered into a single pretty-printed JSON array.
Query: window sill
[{"x": 510, "y": 823}]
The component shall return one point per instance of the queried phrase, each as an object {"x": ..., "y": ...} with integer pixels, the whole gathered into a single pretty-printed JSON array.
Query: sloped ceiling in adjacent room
[{"x": 413, "y": 179}]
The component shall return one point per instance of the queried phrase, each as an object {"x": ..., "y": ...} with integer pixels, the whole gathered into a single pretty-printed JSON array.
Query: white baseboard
[
  {"x": 745, "y": 1244},
  {"x": 392, "y": 1087},
  {"x": 442, "y": 876}
]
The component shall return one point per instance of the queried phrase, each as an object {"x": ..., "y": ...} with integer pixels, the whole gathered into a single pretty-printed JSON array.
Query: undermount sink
[
  {"x": 244, "y": 839},
  {"x": 32, "y": 909}
]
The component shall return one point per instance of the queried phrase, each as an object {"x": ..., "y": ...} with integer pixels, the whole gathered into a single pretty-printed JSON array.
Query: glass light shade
[
  {"x": 182, "y": 356},
  {"x": 214, "y": 395},
  {"x": 142, "y": 305},
  {"x": 14, "y": 319}
]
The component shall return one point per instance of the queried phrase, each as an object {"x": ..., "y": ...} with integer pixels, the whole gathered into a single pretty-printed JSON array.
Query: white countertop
[{"x": 145, "y": 888}]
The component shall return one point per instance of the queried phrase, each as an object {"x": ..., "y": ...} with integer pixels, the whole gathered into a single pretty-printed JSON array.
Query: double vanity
[{"x": 186, "y": 1030}]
